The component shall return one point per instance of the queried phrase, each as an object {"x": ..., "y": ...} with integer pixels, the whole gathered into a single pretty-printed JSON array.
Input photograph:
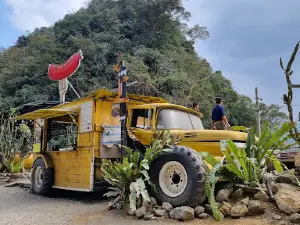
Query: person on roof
[{"x": 219, "y": 120}]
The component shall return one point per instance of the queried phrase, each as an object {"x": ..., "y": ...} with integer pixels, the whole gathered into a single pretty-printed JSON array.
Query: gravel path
[{"x": 19, "y": 206}]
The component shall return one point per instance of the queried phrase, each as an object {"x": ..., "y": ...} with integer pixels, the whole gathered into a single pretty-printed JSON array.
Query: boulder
[
  {"x": 286, "y": 178},
  {"x": 274, "y": 187},
  {"x": 140, "y": 212},
  {"x": 183, "y": 213},
  {"x": 239, "y": 210},
  {"x": 295, "y": 218},
  {"x": 238, "y": 193},
  {"x": 223, "y": 195},
  {"x": 149, "y": 217},
  {"x": 160, "y": 212},
  {"x": 167, "y": 206},
  {"x": 255, "y": 207},
  {"x": 245, "y": 201},
  {"x": 288, "y": 200},
  {"x": 261, "y": 196},
  {"x": 198, "y": 210},
  {"x": 203, "y": 216},
  {"x": 225, "y": 208},
  {"x": 247, "y": 189}
]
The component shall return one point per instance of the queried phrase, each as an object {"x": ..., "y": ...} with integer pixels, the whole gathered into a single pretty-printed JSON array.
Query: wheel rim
[
  {"x": 173, "y": 179},
  {"x": 38, "y": 176}
]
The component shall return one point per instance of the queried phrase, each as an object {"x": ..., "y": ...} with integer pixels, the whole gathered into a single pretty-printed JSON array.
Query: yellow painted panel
[
  {"x": 79, "y": 185},
  {"x": 85, "y": 139}
]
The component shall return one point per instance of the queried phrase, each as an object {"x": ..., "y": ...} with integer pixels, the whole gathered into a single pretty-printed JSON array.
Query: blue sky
[
  {"x": 247, "y": 37},
  {"x": 8, "y": 33}
]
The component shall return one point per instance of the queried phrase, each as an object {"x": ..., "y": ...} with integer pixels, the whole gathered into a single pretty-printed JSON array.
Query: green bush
[
  {"x": 129, "y": 179},
  {"x": 247, "y": 164}
]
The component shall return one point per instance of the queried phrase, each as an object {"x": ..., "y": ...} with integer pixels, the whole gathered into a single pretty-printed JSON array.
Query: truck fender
[{"x": 46, "y": 160}]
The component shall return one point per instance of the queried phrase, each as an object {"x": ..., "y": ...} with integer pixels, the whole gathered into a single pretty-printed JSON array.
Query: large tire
[
  {"x": 179, "y": 177},
  {"x": 41, "y": 178}
]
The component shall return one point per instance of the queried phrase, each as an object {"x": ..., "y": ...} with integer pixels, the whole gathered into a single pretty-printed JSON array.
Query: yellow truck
[{"x": 73, "y": 138}]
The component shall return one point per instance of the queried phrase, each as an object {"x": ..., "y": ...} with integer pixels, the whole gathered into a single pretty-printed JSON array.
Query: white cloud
[{"x": 29, "y": 14}]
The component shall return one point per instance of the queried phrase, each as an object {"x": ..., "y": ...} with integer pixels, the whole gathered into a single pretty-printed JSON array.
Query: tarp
[{"x": 44, "y": 114}]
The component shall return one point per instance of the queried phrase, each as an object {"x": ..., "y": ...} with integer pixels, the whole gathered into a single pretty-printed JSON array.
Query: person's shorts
[{"x": 220, "y": 125}]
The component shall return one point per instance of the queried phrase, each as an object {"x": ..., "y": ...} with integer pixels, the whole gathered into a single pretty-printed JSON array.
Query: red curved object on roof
[{"x": 59, "y": 72}]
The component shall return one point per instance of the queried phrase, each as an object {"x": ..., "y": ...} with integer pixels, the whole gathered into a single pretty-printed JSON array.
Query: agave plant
[
  {"x": 129, "y": 178},
  {"x": 247, "y": 164}
]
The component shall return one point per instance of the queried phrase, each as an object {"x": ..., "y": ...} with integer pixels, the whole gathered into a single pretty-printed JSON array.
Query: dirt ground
[{"x": 19, "y": 206}]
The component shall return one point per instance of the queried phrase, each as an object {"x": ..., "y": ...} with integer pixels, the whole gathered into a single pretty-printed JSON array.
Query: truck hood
[{"x": 210, "y": 135}]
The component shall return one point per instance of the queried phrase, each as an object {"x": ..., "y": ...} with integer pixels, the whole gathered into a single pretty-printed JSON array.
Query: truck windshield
[{"x": 176, "y": 119}]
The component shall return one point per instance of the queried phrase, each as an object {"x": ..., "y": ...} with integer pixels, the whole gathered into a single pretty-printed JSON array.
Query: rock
[
  {"x": 198, "y": 210},
  {"x": 282, "y": 186},
  {"x": 203, "y": 216},
  {"x": 148, "y": 216},
  {"x": 225, "y": 208},
  {"x": 167, "y": 206},
  {"x": 274, "y": 187},
  {"x": 183, "y": 213},
  {"x": 239, "y": 210},
  {"x": 288, "y": 201},
  {"x": 130, "y": 212},
  {"x": 223, "y": 195},
  {"x": 172, "y": 214},
  {"x": 247, "y": 189},
  {"x": 245, "y": 201},
  {"x": 160, "y": 212},
  {"x": 262, "y": 196},
  {"x": 255, "y": 208},
  {"x": 141, "y": 212},
  {"x": 286, "y": 178},
  {"x": 295, "y": 218},
  {"x": 239, "y": 193},
  {"x": 252, "y": 184},
  {"x": 276, "y": 217},
  {"x": 153, "y": 201}
]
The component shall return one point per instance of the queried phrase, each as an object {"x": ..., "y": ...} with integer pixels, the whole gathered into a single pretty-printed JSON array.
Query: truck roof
[{"x": 169, "y": 105}]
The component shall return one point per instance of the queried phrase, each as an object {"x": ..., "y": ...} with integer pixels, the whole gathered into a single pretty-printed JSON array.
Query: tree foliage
[{"x": 151, "y": 35}]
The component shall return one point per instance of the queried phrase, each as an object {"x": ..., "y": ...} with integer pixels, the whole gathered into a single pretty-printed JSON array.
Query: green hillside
[{"x": 150, "y": 35}]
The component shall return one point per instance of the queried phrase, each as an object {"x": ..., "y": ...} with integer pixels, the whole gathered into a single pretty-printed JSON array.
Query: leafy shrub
[
  {"x": 130, "y": 178},
  {"x": 246, "y": 164}
]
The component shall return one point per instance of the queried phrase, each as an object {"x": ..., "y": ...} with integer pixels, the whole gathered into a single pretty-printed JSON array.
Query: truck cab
[{"x": 184, "y": 123}]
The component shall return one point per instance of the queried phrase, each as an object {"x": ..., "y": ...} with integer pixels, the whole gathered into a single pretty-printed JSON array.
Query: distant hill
[
  {"x": 2, "y": 49},
  {"x": 150, "y": 35}
]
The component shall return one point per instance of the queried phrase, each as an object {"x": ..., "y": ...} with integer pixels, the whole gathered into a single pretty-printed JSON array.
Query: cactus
[
  {"x": 288, "y": 98},
  {"x": 14, "y": 138}
]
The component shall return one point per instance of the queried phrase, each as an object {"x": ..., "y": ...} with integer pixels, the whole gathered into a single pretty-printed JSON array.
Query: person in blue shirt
[{"x": 219, "y": 120}]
